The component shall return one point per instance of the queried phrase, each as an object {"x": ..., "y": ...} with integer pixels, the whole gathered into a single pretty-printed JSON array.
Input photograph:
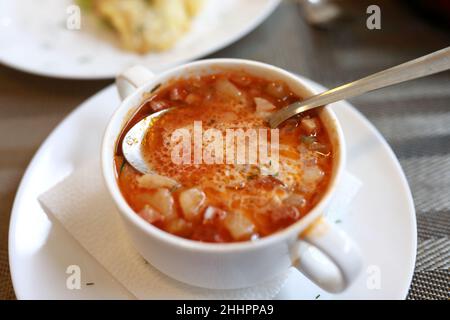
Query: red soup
[{"x": 223, "y": 199}]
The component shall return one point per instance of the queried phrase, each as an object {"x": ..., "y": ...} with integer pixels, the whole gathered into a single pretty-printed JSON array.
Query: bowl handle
[
  {"x": 131, "y": 79},
  {"x": 327, "y": 256}
]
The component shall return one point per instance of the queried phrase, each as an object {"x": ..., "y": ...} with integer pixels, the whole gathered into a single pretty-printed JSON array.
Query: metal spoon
[
  {"x": 424, "y": 66},
  {"x": 432, "y": 63}
]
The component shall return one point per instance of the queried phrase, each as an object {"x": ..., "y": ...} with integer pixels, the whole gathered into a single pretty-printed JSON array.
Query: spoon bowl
[{"x": 133, "y": 139}]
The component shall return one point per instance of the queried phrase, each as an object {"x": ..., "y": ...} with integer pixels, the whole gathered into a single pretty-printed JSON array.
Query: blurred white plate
[
  {"x": 381, "y": 220},
  {"x": 34, "y": 38}
]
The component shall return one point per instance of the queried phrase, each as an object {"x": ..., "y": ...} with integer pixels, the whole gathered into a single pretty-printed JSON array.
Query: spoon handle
[{"x": 432, "y": 63}]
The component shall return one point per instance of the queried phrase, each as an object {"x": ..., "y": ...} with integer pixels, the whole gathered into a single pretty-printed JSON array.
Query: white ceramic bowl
[{"x": 318, "y": 248}]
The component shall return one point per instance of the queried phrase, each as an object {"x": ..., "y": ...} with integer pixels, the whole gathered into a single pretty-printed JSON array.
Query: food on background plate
[
  {"x": 226, "y": 201},
  {"x": 145, "y": 25}
]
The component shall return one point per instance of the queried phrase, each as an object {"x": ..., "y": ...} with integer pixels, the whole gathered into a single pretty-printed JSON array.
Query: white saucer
[
  {"x": 34, "y": 38},
  {"x": 381, "y": 220}
]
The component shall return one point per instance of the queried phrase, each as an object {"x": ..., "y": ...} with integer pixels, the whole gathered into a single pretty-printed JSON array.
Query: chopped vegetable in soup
[{"x": 216, "y": 201}]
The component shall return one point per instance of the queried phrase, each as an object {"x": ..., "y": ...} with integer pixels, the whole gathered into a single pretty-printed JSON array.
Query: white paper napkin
[{"x": 82, "y": 204}]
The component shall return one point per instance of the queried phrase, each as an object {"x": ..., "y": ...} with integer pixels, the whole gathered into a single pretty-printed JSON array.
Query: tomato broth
[{"x": 226, "y": 201}]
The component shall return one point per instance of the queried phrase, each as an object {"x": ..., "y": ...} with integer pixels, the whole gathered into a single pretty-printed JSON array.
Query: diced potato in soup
[
  {"x": 220, "y": 201},
  {"x": 153, "y": 181},
  {"x": 191, "y": 202},
  {"x": 263, "y": 105},
  {"x": 212, "y": 213},
  {"x": 309, "y": 125},
  {"x": 161, "y": 200},
  {"x": 150, "y": 215},
  {"x": 263, "y": 108},
  {"x": 239, "y": 226}
]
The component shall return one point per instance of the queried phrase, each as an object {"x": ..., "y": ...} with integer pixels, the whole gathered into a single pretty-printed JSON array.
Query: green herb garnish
[
  {"x": 317, "y": 297},
  {"x": 122, "y": 166},
  {"x": 308, "y": 139},
  {"x": 338, "y": 221},
  {"x": 155, "y": 88}
]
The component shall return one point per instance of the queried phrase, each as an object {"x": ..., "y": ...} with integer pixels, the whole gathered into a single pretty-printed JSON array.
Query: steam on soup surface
[{"x": 220, "y": 201}]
